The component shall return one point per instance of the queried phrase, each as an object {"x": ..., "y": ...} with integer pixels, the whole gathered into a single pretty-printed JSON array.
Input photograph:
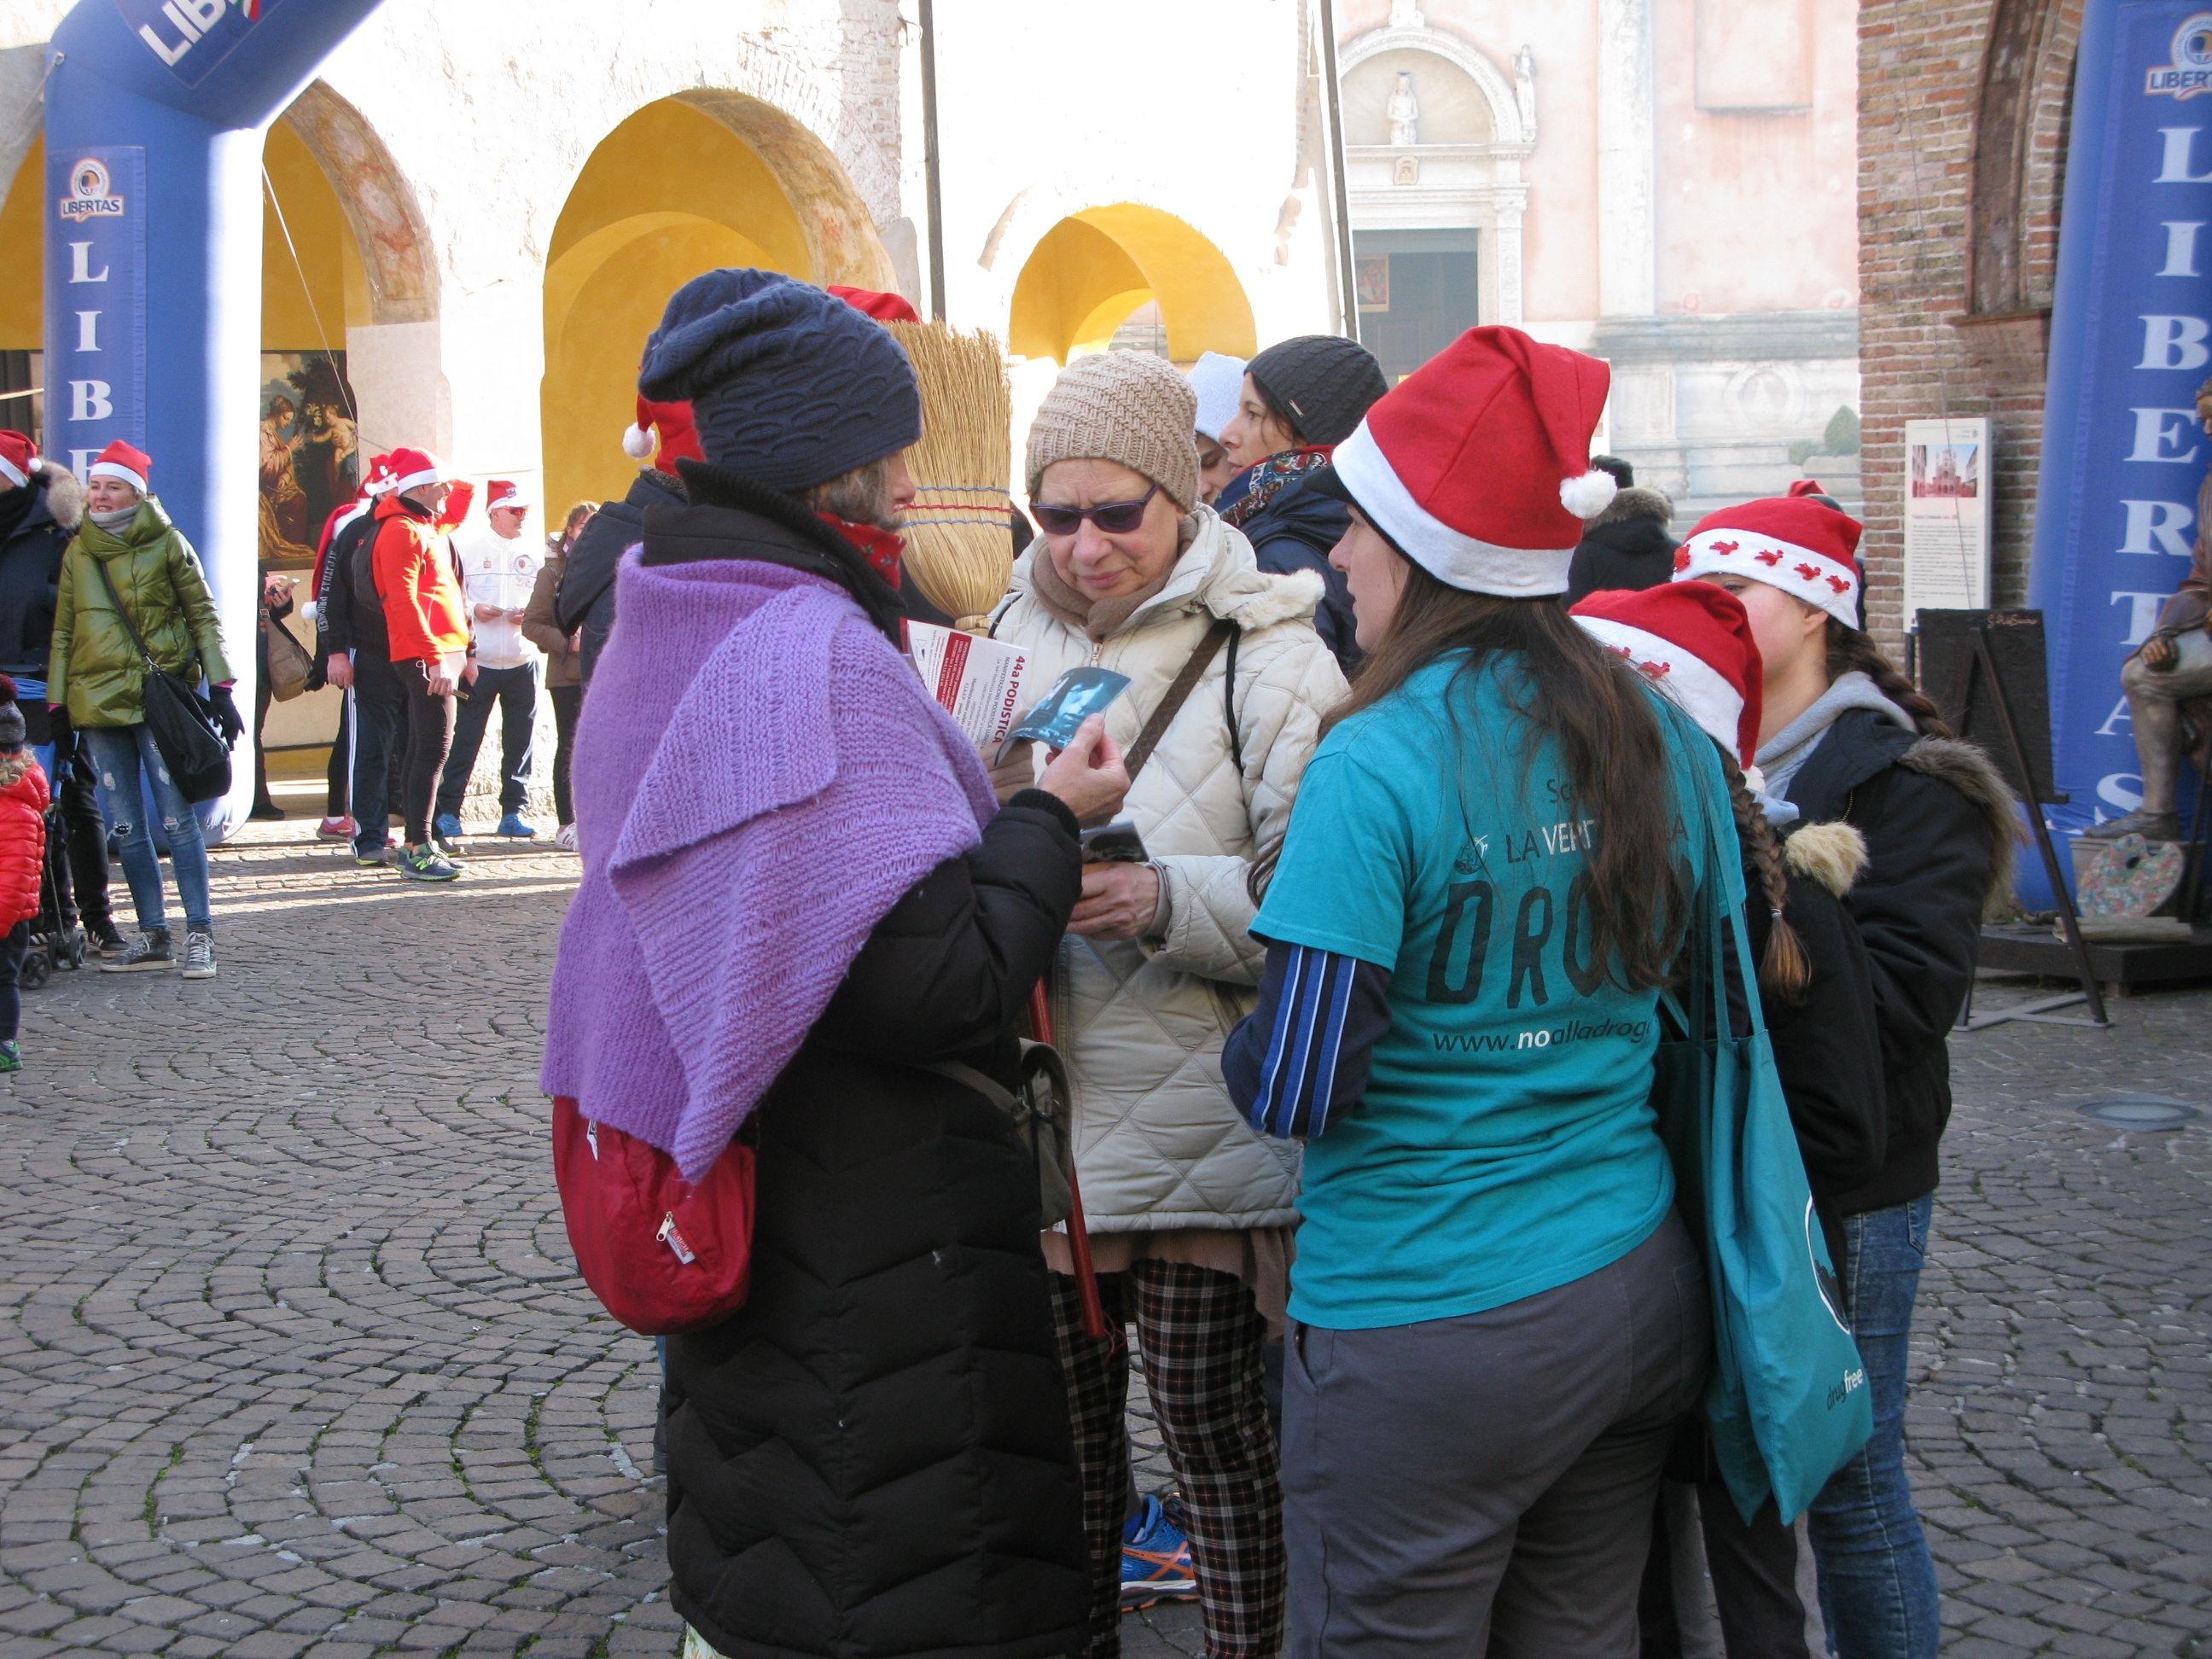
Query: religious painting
[
  {"x": 310, "y": 450},
  {"x": 1370, "y": 276}
]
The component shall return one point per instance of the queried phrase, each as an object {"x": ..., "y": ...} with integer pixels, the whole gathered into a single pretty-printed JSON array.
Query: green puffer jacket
[{"x": 95, "y": 669}]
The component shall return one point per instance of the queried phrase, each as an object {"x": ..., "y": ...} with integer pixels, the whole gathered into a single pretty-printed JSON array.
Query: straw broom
[{"x": 958, "y": 547}]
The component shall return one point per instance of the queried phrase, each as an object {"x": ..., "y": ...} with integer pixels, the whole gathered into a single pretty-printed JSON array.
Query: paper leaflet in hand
[{"x": 979, "y": 680}]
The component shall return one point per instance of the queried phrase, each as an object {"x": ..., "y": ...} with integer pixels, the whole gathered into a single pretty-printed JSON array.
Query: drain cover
[{"x": 2139, "y": 1111}]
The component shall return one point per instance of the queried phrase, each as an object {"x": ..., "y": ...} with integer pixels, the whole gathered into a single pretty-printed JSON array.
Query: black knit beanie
[
  {"x": 1324, "y": 383},
  {"x": 788, "y": 385}
]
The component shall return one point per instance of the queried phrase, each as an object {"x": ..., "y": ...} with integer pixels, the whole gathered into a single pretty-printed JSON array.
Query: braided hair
[
  {"x": 1851, "y": 648},
  {"x": 1785, "y": 971}
]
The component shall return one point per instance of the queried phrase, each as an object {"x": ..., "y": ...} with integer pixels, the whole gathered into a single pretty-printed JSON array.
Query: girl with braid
[
  {"x": 1693, "y": 642},
  {"x": 1843, "y": 737}
]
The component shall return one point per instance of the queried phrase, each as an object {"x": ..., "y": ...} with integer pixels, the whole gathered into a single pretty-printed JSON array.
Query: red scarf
[{"x": 880, "y": 548}]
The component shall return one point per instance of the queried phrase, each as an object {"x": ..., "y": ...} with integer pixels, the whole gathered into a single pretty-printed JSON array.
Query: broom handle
[{"x": 1078, "y": 1232}]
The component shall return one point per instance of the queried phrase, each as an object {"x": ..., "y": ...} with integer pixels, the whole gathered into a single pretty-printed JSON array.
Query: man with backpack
[{"x": 356, "y": 653}]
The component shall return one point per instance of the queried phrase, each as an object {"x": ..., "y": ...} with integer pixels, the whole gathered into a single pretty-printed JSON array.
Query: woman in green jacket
[{"x": 95, "y": 682}]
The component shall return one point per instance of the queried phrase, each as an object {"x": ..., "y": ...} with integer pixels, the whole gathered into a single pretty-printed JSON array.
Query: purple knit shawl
[{"x": 759, "y": 776}]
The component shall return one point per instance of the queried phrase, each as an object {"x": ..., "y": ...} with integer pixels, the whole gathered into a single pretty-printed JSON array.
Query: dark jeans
[
  {"x": 568, "y": 703},
  {"x": 12, "y": 950},
  {"x": 515, "y": 690},
  {"x": 379, "y": 715},
  {"x": 430, "y": 740}
]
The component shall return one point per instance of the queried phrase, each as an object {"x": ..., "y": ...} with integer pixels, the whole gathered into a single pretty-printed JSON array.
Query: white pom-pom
[
  {"x": 308, "y": 611},
  {"x": 638, "y": 444},
  {"x": 1588, "y": 496}
]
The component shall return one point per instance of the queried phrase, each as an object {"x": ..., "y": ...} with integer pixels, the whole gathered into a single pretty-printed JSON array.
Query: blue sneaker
[
  {"x": 446, "y": 831},
  {"x": 516, "y": 827},
  {"x": 1155, "y": 1560}
]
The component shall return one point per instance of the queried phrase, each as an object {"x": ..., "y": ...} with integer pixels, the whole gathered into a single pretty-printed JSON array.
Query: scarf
[
  {"x": 1100, "y": 619},
  {"x": 881, "y": 548},
  {"x": 112, "y": 523},
  {"x": 1268, "y": 479},
  {"x": 1783, "y": 755},
  {"x": 760, "y": 777}
]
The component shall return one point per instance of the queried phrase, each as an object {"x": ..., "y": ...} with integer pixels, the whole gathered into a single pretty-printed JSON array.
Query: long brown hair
[
  {"x": 1595, "y": 707},
  {"x": 1849, "y": 649},
  {"x": 1785, "y": 971}
]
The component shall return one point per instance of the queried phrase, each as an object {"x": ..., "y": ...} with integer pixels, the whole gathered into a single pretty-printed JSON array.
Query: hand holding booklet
[{"x": 980, "y": 680}]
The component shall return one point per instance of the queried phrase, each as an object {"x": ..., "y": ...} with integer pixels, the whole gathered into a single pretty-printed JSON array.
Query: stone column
[{"x": 1627, "y": 230}]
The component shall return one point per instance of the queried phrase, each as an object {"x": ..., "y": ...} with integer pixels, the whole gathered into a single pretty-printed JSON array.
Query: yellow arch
[{"x": 1122, "y": 255}]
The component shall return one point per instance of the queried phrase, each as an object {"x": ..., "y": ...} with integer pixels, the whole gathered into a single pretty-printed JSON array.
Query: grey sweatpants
[{"x": 1485, "y": 1484}]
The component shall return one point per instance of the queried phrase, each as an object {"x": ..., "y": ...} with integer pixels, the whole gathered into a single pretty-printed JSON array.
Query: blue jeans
[
  {"x": 1877, "y": 1579},
  {"x": 118, "y": 755},
  {"x": 515, "y": 690}
]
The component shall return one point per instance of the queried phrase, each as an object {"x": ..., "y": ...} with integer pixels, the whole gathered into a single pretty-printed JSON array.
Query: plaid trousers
[{"x": 1202, "y": 1338}]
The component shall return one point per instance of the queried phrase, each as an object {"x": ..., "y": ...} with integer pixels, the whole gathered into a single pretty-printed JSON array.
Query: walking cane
[{"x": 1078, "y": 1234}]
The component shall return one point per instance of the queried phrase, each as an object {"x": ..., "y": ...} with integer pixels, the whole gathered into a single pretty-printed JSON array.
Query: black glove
[
  {"x": 226, "y": 712},
  {"x": 59, "y": 735}
]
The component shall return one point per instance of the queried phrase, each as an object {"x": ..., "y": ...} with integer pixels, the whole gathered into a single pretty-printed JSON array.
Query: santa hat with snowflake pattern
[
  {"x": 1692, "y": 641},
  {"x": 1476, "y": 465},
  {"x": 1792, "y": 542}
]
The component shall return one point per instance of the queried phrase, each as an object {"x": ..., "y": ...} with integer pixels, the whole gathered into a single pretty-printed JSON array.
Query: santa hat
[
  {"x": 499, "y": 492},
  {"x": 411, "y": 469},
  {"x": 119, "y": 460},
  {"x": 677, "y": 437},
  {"x": 1692, "y": 641},
  {"x": 18, "y": 459},
  {"x": 884, "y": 307},
  {"x": 380, "y": 476},
  {"x": 1476, "y": 465},
  {"x": 1792, "y": 542}
]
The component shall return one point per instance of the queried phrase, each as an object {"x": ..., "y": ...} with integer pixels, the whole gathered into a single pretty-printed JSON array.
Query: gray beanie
[
  {"x": 1325, "y": 384},
  {"x": 1129, "y": 407}
]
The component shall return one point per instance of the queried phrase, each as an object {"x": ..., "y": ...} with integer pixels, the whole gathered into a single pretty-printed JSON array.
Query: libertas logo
[
  {"x": 88, "y": 197},
  {"x": 2190, "y": 71}
]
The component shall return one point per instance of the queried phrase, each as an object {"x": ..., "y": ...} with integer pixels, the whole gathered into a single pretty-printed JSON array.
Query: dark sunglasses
[{"x": 1115, "y": 518}]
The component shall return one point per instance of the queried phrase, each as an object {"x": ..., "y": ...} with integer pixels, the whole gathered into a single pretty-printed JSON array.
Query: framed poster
[
  {"x": 310, "y": 451},
  {"x": 1946, "y": 515},
  {"x": 1371, "y": 272}
]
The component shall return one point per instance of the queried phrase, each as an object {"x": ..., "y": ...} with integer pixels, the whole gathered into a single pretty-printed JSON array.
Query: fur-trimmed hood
[
  {"x": 1637, "y": 502},
  {"x": 1967, "y": 770},
  {"x": 65, "y": 495},
  {"x": 1830, "y": 853}
]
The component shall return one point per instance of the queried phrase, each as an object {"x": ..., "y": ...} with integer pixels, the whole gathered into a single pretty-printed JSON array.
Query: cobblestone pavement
[{"x": 292, "y": 1361}]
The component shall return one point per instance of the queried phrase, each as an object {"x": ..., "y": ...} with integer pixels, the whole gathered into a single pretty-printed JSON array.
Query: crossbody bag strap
[{"x": 1178, "y": 693}]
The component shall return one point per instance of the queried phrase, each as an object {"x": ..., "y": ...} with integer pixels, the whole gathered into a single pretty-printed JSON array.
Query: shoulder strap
[
  {"x": 1178, "y": 692},
  {"x": 121, "y": 615}
]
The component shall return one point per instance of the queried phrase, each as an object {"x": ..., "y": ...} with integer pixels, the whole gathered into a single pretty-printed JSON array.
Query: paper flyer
[{"x": 978, "y": 679}]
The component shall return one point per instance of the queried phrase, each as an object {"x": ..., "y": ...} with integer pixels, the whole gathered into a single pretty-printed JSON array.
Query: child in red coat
[{"x": 23, "y": 799}]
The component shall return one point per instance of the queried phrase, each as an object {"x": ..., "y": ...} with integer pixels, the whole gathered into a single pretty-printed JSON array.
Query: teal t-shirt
[{"x": 1505, "y": 1145}]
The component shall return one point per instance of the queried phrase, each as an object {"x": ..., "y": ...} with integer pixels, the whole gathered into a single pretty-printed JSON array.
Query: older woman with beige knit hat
[{"x": 1190, "y": 1209}]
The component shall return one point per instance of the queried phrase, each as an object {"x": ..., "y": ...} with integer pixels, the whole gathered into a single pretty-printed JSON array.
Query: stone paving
[{"x": 292, "y": 1361}]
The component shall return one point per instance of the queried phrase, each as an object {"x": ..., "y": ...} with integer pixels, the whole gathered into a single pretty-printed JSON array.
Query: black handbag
[{"x": 184, "y": 725}]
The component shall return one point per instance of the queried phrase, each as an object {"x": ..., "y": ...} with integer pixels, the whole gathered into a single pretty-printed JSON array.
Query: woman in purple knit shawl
[{"x": 798, "y": 892}]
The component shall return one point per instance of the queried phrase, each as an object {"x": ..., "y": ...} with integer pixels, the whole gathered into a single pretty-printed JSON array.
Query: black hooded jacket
[
  {"x": 32, "y": 538},
  {"x": 586, "y": 598},
  {"x": 1295, "y": 531},
  {"x": 1625, "y": 546},
  {"x": 1941, "y": 828}
]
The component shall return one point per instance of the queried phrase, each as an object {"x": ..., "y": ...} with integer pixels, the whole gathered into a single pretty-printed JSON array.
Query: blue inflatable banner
[
  {"x": 2130, "y": 341},
  {"x": 192, "y": 36},
  {"x": 96, "y": 338}
]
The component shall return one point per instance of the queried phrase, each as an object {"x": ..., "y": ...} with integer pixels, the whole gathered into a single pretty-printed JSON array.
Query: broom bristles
[{"x": 958, "y": 547}]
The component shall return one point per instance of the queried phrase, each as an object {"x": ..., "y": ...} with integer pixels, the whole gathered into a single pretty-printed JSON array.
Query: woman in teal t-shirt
[{"x": 1499, "y": 1318}]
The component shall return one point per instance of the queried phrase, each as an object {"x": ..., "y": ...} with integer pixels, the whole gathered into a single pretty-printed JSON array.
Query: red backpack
[{"x": 664, "y": 1255}]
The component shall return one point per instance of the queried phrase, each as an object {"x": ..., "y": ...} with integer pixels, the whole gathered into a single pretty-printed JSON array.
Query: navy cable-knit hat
[
  {"x": 1325, "y": 384},
  {"x": 788, "y": 385}
]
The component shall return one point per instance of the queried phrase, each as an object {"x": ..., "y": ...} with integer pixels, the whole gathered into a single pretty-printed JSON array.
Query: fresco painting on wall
[{"x": 310, "y": 451}]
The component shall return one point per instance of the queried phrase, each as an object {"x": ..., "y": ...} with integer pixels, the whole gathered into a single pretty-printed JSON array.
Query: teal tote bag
[{"x": 1787, "y": 1403}]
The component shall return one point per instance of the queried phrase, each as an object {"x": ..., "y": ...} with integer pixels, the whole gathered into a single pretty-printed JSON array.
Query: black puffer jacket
[
  {"x": 872, "y": 1460},
  {"x": 587, "y": 595},
  {"x": 1295, "y": 531},
  {"x": 37, "y": 532},
  {"x": 1939, "y": 827},
  {"x": 1625, "y": 546}
]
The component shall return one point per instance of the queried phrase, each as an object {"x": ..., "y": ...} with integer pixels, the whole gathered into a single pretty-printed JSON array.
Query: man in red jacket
[{"x": 427, "y": 621}]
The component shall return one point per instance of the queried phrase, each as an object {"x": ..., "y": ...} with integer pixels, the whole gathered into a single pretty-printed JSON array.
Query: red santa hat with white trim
[
  {"x": 119, "y": 460},
  {"x": 411, "y": 469},
  {"x": 380, "y": 476},
  {"x": 1476, "y": 465},
  {"x": 1692, "y": 641},
  {"x": 18, "y": 459},
  {"x": 499, "y": 492},
  {"x": 1792, "y": 542}
]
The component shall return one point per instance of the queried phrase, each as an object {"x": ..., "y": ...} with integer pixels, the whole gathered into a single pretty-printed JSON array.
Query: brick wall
[{"x": 1922, "y": 350}]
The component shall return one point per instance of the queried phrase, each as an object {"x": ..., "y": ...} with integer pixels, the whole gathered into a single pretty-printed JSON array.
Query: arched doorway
[
  {"x": 684, "y": 185},
  {"x": 1092, "y": 269}
]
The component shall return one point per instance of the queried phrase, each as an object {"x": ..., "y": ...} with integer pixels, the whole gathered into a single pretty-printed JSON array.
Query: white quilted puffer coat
[{"x": 1158, "y": 1144}]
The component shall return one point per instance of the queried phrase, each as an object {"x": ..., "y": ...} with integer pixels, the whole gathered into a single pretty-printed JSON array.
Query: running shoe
[
  {"x": 515, "y": 827},
  {"x": 427, "y": 864},
  {"x": 11, "y": 1057},
  {"x": 447, "y": 832},
  {"x": 337, "y": 830},
  {"x": 566, "y": 839},
  {"x": 1155, "y": 1560},
  {"x": 151, "y": 952},
  {"x": 372, "y": 858}
]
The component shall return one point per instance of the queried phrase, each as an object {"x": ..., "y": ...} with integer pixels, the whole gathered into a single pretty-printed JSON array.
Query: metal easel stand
[{"x": 2039, "y": 1012}]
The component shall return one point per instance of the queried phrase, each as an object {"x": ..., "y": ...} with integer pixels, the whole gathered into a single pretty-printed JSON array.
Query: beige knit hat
[{"x": 1125, "y": 406}]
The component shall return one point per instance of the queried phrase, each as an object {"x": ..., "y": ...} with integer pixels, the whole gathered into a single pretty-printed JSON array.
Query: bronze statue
[{"x": 2169, "y": 682}]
